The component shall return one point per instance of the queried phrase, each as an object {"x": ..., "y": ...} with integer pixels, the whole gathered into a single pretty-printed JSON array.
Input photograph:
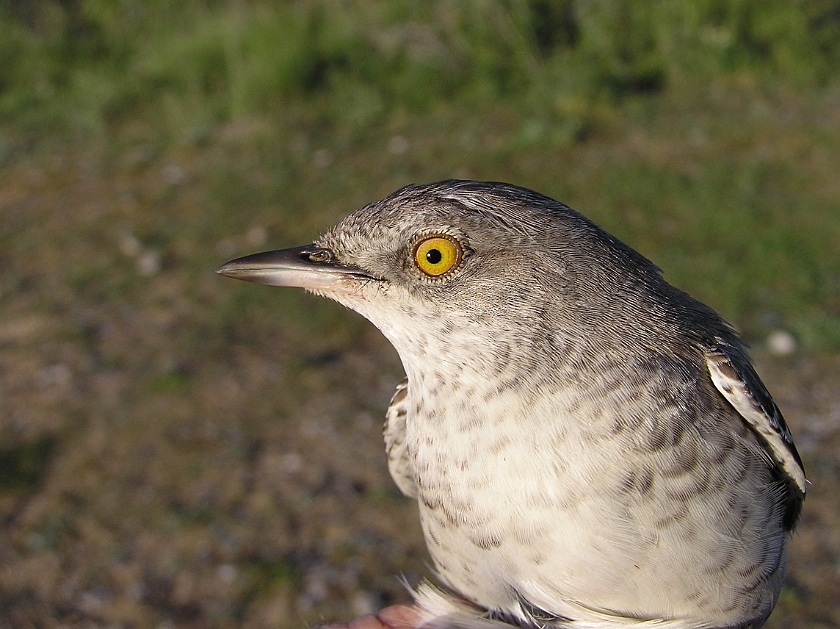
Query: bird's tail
[{"x": 442, "y": 610}]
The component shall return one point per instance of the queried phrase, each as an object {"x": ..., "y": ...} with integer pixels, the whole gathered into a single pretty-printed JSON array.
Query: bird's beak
[{"x": 309, "y": 267}]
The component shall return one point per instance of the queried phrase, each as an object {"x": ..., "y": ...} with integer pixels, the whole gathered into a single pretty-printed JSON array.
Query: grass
[{"x": 178, "y": 448}]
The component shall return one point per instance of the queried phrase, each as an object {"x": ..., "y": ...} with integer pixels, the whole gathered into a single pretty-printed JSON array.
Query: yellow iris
[{"x": 437, "y": 255}]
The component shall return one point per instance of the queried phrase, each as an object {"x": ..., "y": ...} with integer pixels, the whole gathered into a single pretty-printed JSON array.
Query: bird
[{"x": 588, "y": 445}]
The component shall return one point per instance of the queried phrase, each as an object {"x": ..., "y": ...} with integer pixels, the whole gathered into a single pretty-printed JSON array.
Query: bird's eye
[{"x": 437, "y": 255}]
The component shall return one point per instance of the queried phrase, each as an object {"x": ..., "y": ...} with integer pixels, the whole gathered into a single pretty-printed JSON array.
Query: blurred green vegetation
[
  {"x": 500, "y": 90},
  {"x": 84, "y": 65}
]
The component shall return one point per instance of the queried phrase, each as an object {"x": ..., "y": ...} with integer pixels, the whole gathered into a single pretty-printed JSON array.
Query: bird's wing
[
  {"x": 394, "y": 432},
  {"x": 737, "y": 381}
]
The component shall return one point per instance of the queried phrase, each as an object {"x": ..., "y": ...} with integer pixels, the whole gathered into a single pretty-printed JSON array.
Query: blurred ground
[{"x": 181, "y": 450}]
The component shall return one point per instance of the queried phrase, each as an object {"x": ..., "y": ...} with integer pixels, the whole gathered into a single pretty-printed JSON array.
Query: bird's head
[{"x": 470, "y": 262}]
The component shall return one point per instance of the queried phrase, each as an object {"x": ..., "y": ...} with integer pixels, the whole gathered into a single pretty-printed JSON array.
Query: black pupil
[{"x": 434, "y": 256}]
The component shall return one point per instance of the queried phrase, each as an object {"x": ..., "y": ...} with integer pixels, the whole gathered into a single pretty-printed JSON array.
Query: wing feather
[
  {"x": 737, "y": 381},
  {"x": 394, "y": 433}
]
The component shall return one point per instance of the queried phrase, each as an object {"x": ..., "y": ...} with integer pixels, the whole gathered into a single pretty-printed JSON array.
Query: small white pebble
[
  {"x": 398, "y": 145},
  {"x": 91, "y": 602},
  {"x": 317, "y": 587},
  {"x": 173, "y": 174},
  {"x": 781, "y": 343},
  {"x": 56, "y": 377},
  {"x": 36, "y": 542},
  {"x": 364, "y": 603},
  {"x": 291, "y": 462},
  {"x": 227, "y": 573},
  {"x": 148, "y": 263},
  {"x": 226, "y": 247},
  {"x": 323, "y": 158},
  {"x": 697, "y": 136},
  {"x": 257, "y": 236}
]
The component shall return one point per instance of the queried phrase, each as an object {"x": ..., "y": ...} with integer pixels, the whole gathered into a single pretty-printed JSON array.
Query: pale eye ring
[{"x": 437, "y": 255}]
